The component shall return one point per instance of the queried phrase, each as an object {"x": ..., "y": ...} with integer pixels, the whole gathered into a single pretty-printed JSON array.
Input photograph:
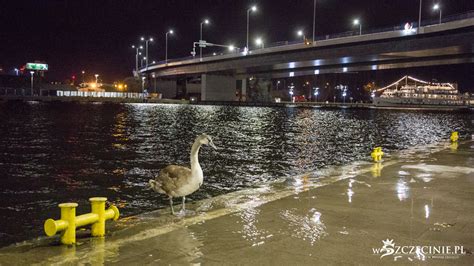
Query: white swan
[{"x": 179, "y": 181}]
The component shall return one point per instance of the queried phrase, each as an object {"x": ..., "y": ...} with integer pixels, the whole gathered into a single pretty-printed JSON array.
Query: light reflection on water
[{"x": 56, "y": 152}]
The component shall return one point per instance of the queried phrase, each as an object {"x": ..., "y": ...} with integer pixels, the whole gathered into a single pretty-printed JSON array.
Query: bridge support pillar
[{"x": 217, "y": 87}]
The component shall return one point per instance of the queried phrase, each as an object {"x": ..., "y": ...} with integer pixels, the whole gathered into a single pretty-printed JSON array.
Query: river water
[{"x": 67, "y": 152}]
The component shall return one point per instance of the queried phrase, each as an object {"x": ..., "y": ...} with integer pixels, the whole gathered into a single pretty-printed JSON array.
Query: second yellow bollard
[
  {"x": 454, "y": 136},
  {"x": 377, "y": 154}
]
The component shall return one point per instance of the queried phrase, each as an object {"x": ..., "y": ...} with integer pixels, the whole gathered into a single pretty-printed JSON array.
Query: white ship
[{"x": 409, "y": 92}]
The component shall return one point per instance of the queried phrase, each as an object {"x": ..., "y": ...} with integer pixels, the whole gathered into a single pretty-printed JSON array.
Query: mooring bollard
[
  {"x": 377, "y": 154},
  {"x": 454, "y": 136},
  {"x": 69, "y": 222}
]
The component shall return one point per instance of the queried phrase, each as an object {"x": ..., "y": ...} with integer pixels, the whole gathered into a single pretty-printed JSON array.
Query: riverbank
[
  {"x": 340, "y": 215},
  {"x": 354, "y": 105}
]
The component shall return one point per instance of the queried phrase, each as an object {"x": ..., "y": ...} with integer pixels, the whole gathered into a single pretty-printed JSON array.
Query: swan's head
[{"x": 206, "y": 140}]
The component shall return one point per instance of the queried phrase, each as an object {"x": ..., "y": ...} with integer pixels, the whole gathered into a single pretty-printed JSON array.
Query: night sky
[{"x": 95, "y": 36}]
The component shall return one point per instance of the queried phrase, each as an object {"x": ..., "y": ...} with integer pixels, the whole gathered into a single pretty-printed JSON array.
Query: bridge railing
[
  {"x": 426, "y": 22},
  {"x": 18, "y": 92}
]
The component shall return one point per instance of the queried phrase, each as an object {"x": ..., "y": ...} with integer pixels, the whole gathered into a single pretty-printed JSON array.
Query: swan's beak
[{"x": 212, "y": 145}]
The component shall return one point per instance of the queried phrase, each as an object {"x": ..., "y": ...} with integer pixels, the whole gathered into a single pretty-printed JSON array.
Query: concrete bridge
[{"x": 219, "y": 77}]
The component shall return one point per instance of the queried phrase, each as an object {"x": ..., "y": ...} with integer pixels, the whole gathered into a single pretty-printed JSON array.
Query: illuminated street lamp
[
  {"x": 231, "y": 47},
  {"x": 146, "y": 49},
  {"x": 143, "y": 84},
  {"x": 291, "y": 92},
  {"x": 316, "y": 93},
  {"x": 83, "y": 73},
  {"x": 357, "y": 22},
  {"x": 154, "y": 81},
  {"x": 137, "y": 54},
  {"x": 438, "y": 7},
  {"x": 96, "y": 78},
  {"x": 206, "y": 21},
  {"x": 301, "y": 34},
  {"x": 253, "y": 8},
  {"x": 32, "y": 74},
  {"x": 259, "y": 42},
  {"x": 166, "y": 38},
  {"x": 344, "y": 94},
  {"x": 16, "y": 71}
]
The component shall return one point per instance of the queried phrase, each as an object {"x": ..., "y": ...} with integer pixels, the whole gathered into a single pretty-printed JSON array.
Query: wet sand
[{"x": 334, "y": 216}]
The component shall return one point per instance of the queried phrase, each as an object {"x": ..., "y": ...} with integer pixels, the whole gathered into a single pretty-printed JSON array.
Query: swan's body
[{"x": 179, "y": 181}]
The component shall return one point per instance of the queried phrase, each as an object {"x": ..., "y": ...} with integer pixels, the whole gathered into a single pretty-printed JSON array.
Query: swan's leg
[
  {"x": 171, "y": 205},
  {"x": 184, "y": 200}
]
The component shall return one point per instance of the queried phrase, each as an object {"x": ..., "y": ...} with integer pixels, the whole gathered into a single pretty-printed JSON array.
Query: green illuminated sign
[{"x": 37, "y": 66}]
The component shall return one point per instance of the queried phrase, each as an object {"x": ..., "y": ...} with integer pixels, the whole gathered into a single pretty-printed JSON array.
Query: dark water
[{"x": 56, "y": 152}]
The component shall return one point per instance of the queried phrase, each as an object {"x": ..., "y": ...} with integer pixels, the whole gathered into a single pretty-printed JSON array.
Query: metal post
[
  {"x": 200, "y": 39},
  {"x": 360, "y": 28},
  {"x": 248, "y": 14},
  {"x": 166, "y": 49},
  {"x": 440, "y": 15},
  {"x": 146, "y": 54},
  {"x": 136, "y": 62},
  {"x": 32, "y": 73},
  {"x": 419, "y": 18},
  {"x": 314, "y": 21}
]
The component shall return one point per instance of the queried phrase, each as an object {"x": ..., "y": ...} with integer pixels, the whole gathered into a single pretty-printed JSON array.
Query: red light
[{"x": 73, "y": 77}]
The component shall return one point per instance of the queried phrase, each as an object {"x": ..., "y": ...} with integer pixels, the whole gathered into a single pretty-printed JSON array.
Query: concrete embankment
[{"x": 354, "y": 214}]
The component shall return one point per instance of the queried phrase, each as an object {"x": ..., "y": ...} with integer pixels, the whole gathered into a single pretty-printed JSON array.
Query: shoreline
[
  {"x": 146, "y": 227},
  {"x": 315, "y": 105}
]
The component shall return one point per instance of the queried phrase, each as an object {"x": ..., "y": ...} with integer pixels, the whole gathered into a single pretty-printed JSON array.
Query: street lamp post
[
  {"x": 438, "y": 7},
  {"x": 137, "y": 54},
  {"x": 314, "y": 21},
  {"x": 166, "y": 49},
  {"x": 154, "y": 82},
  {"x": 83, "y": 73},
  {"x": 316, "y": 93},
  {"x": 143, "y": 85},
  {"x": 419, "y": 18},
  {"x": 96, "y": 78},
  {"x": 146, "y": 49},
  {"x": 32, "y": 74},
  {"x": 357, "y": 22},
  {"x": 253, "y": 8},
  {"x": 206, "y": 21}
]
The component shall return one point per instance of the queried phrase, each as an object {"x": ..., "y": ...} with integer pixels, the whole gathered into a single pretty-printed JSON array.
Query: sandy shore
[{"x": 341, "y": 215}]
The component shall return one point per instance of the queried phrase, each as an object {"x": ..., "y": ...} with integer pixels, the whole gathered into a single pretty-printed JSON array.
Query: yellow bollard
[
  {"x": 98, "y": 207},
  {"x": 69, "y": 222},
  {"x": 454, "y": 136},
  {"x": 377, "y": 154},
  {"x": 66, "y": 223}
]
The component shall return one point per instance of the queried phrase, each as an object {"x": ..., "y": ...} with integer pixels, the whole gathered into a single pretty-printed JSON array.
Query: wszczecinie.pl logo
[{"x": 389, "y": 248}]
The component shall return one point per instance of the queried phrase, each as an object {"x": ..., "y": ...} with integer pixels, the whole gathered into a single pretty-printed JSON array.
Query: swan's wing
[{"x": 172, "y": 177}]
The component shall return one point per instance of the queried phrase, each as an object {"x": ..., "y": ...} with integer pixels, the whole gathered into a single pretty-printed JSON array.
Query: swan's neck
[{"x": 194, "y": 155}]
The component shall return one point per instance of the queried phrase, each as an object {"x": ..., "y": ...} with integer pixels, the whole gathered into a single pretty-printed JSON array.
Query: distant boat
[{"x": 409, "y": 92}]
